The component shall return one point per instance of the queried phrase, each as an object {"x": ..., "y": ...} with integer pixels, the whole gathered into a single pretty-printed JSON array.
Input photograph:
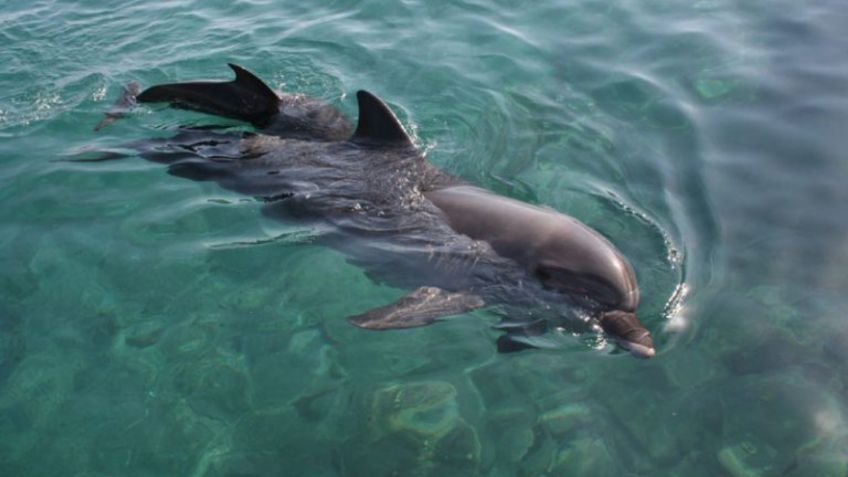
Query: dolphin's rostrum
[{"x": 407, "y": 223}]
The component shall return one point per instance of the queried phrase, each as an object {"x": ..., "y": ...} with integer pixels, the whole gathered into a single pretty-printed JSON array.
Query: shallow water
[{"x": 151, "y": 325}]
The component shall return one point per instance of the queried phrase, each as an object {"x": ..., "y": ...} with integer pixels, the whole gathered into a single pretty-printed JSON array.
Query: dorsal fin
[
  {"x": 249, "y": 81},
  {"x": 378, "y": 125}
]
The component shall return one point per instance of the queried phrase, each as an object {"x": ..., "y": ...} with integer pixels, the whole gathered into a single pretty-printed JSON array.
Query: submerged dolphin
[{"x": 406, "y": 222}]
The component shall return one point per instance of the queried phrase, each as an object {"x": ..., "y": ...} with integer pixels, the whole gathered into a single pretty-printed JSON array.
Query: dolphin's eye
[
  {"x": 543, "y": 274},
  {"x": 580, "y": 284}
]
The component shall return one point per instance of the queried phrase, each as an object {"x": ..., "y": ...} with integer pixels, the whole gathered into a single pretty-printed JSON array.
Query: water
[{"x": 151, "y": 325}]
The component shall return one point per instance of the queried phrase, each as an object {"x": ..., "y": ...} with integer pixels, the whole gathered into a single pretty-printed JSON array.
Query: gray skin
[
  {"x": 562, "y": 252},
  {"x": 407, "y": 223},
  {"x": 245, "y": 98}
]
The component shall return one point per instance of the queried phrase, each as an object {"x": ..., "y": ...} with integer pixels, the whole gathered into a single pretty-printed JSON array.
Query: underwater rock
[
  {"x": 275, "y": 379},
  {"x": 692, "y": 369},
  {"x": 49, "y": 258},
  {"x": 142, "y": 335},
  {"x": 290, "y": 368},
  {"x": 379, "y": 357},
  {"x": 213, "y": 390},
  {"x": 196, "y": 220},
  {"x": 458, "y": 345},
  {"x": 157, "y": 435},
  {"x": 513, "y": 434},
  {"x": 540, "y": 456},
  {"x": 492, "y": 382},
  {"x": 783, "y": 314},
  {"x": 317, "y": 405},
  {"x": 249, "y": 298},
  {"x": 646, "y": 423},
  {"x": 34, "y": 396},
  {"x": 98, "y": 330},
  {"x": 586, "y": 456},
  {"x": 187, "y": 341},
  {"x": 567, "y": 420},
  {"x": 457, "y": 452},
  {"x": 826, "y": 453},
  {"x": 417, "y": 430},
  {"x": 169, "y": 441},
  {"x": 264, "y": 431},
  {"x": 527, "y": 380},
  {"x": 13, "y": 345},
  {"x": 98, "y": 298},
  {"x": 428, "y": 409},
  {"x": 311, "y": 348},
  {"x": 713, "y": 88},
  {"x": 546, "y": 377},
  {"x": 117, "y": 381},
  {"x": 835, "y": 465},
  {"x": 774, "y": 351},
  {"x": 834, "y": 351},
  {"x": 302, "y": 342},
  {"x": 274, "y": 442},
  {"x": 634, "y": 99},
  {"x": 255, "y": 464},
  {"x": 514, "y": 445},
  {"x": 15, "y": 420},
  {"x": 768, "y": 417},
  {"x": 746, "y": 459}
]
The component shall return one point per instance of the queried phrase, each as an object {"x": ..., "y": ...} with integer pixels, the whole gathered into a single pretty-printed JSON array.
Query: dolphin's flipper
[
  {"x": 419, "y": 308},
  {"x": 508, "y": 344},
  {"x": 125, "y": 102},
  {"x": 246, "y": 97},
  {"x": 378, "y": 125}
]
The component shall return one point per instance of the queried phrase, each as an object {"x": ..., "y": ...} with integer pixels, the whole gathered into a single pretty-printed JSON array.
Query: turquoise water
[{"x": 151, "y": 325}]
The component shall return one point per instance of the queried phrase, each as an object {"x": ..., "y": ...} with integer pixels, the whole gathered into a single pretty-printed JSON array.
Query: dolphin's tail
[{"x": 245, "y": 98}]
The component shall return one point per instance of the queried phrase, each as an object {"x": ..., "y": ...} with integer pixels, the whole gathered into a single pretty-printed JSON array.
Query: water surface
[{"x": 151, "y": 325}]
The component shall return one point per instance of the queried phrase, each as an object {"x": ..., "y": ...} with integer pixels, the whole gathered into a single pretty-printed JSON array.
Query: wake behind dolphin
[{"x": 458, "y": 247}]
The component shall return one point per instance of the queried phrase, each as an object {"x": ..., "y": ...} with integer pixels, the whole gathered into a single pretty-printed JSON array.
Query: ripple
[{"x": 705, "y": 139}]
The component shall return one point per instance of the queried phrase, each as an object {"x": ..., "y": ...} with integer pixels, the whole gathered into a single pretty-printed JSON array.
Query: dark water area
[{"x": 152, "y": 325}]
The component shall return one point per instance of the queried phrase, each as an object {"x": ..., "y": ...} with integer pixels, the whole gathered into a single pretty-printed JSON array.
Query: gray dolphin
[
  {"x": 406, "y": 222},
  {"x": 248, "y": 99}
]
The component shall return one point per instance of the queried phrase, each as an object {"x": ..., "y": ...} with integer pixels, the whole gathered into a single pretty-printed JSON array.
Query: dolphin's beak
[
  {"x": 639, "y": 350},
  {"x": 626, "y": 329}
]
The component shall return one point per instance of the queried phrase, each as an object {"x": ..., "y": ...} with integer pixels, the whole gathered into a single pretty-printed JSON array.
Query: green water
[{"x": 151, "y": 325}]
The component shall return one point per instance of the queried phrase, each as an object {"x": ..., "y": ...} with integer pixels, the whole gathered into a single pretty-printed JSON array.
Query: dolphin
[
  {"x": 457, "y": 246},
  {"x": 246, "y": 98}
]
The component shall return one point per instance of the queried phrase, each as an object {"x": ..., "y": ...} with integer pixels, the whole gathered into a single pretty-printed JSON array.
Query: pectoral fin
[
  {"x": 421, "y": 307},
  {"x": 520, "y": 336}
]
